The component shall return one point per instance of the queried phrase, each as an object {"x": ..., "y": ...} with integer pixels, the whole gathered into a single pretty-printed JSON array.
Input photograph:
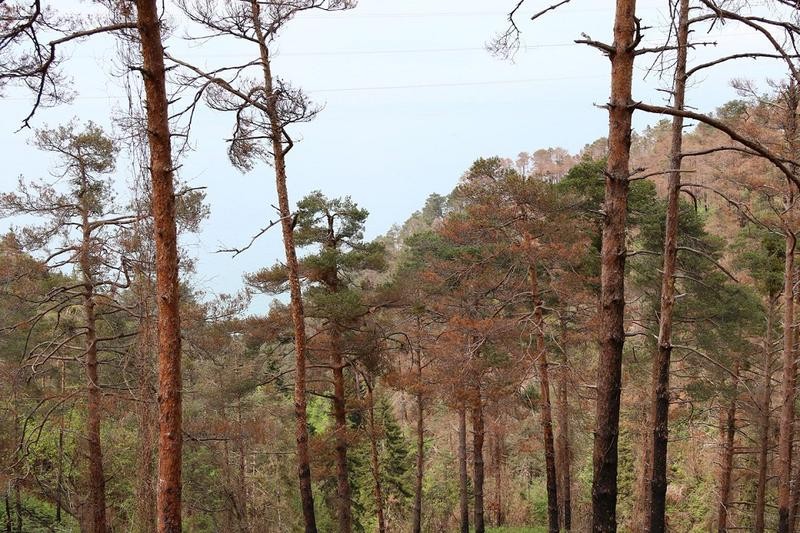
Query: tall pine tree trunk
[
  {"x": 563, "y": 445},
  {"x": 789, "y": 380},
  {"x": 660, "y": 403},
  {"x": 546, "y": 413},
  {"x": 295, "y": 293},
  {"x": 612, "y": 272},
  {"x": 170, "y": 440},
  {"x": 344, "y": 514},
  {"x": 763, "y": 422},
  {"x": 463, "y": 478},
  {"x": 726, "y": 462},
  {"x": 477, "y": 460},
  {"x": 97, "y": 480}
]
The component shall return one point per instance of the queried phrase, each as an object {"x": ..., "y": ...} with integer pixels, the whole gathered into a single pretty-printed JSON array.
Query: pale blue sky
[{"x": 411, "y": 99}]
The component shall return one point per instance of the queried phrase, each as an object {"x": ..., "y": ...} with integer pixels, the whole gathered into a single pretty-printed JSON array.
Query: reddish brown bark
[
  {"x": 612, "y": 272},
  {"x": 295, "y": 294},
  {"x": 661, "y": 362},
  {"x": 477, "y": 461},
  {"x": 726, "y": 463},
  {"x": 463, "y": 479},
  {"x": 169, "y": 327}
]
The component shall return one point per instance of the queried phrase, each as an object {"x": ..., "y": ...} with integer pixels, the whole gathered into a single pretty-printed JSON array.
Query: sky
[{"x": 410, "y": 98}]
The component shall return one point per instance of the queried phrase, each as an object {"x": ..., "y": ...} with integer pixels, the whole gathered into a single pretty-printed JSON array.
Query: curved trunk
[
  {"x": 295, "y": 294},
  {"x": 612, "y": 273}
]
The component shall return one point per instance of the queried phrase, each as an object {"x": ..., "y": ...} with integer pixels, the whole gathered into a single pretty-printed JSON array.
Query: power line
[
  {"x": 433, "y": 85},
  {"x": 453, "y": 84}
]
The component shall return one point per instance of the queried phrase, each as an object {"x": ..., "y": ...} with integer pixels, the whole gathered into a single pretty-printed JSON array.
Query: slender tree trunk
[
  {"x": 60, "y": 475},
  {"x": 340, "y": 424},
  {"x": 789, "y": 381},
  {"x": 145, "y": 492},
  {"x": 420, "y": 458},
  {"x": 376, "y": 469},
  {"x": 563, "y": 446},
  {"x": 789, "y": 384},
  {"x": 546, "y": 413},
  {"x": 660, "y": 402},
  {"x": 241, "y": 478},
  {"x": 97, "y": 480},
  {"x": 463, "y": 479},
  {"x": 641, "y": 512},
  {"x": 18, "y": 505},
  {"x": 477, "y": 460},
  {"x": 169, "y": 327},
  {"x": 500, "y": 516},
  {"x": 795, "y": 500},
  {"x": 726, "y": 462},
  {"x": 763, "y": 423},
  {"x": 295, "y": 294},
  {"x": 9, "y": 527},
  {"x": 612, "y": 272}
]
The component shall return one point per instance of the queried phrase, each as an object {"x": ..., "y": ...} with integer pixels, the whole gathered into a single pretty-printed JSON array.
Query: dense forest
[{"x": 594, "y": 341}]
